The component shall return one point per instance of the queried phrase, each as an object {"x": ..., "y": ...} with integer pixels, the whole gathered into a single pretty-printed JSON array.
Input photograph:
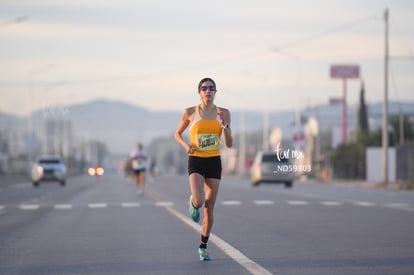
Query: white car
[
  {"x": 49, "y": 168},
  {"x": 267, "y": 167}
]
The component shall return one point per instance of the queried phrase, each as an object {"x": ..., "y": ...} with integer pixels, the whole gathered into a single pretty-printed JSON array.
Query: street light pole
[
  {"x": 30, "y": 128},
  {"x": 385, "y": 104},
  {"x": 242, "y": 145}
]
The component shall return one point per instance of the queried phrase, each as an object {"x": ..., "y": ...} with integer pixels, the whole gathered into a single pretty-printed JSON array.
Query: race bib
[
  {"x": 136, "y": 163},
  {"x": 207, "y": 142}
]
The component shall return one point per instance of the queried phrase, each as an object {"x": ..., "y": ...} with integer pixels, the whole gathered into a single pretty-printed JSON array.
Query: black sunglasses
[{"x": 211, "y": 88}]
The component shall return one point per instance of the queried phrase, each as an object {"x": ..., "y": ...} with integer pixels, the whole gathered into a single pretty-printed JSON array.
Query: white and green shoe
[
  {"x": 194, "y": 212},
  {"x": 204, "y": 256}
]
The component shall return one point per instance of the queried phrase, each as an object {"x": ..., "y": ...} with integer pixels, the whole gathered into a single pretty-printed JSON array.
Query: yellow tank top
[{"x": 205, "y": 135}]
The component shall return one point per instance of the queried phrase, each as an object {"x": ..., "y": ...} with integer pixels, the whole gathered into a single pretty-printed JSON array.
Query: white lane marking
[
  {"x": 63, "y": 206},
  {"x": 297, "y": 202},
  {"x": 230, "y": 202},
  {"x": 130, "y": 204},
  {"x": 232, "y": 252},
  {"x": 97, "y": 205},
  {"x": 342, "y": 200},
  {"x": 331, "y": 203},
  {"x": 263, "y": 202},
  {"x": 403, "y": 206},
  {"x": 164, "y": 203},
  {"x": 364, "y": 203},
  {"x": 29, "y": 206}
]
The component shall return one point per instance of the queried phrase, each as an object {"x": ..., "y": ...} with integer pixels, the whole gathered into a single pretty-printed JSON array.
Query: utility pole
[
  {"x": 30, "y": 128},
  {"x": 265, "y": 138},
  {"x": 242, "y": 145},
  {"x": 385, "y": 105}
]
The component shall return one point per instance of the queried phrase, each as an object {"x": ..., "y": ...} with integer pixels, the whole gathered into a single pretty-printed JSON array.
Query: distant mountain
[
  {"x": 11, "y": 124},
  {"x": 118, "y": 124},
  {"x": 121, "y": 125},
  {"x": 7, "y": 120}
]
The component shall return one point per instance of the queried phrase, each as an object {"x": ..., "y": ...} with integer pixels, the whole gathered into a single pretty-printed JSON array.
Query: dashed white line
[
  {"x": 29, "y": 206},
  {"x": 230, "y": 202},
  {"x": 298, "y": 202},
  {"x": 164, "y": 203},
  {"x": 130, "y": 204},
  {"x": 97, "y": 205},
  {"x": 263, "y": 202},
  {"x": 63, "y": 206},
  {"x": 364, "y": 203},
  {"x": 331, "y": 203}
]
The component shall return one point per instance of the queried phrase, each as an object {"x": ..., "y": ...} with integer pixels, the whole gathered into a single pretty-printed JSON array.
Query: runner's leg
[
  {"x": 141, "y": 179},
  {"x": 196, "y": 188},
  {"x": 211, "y": 189}
]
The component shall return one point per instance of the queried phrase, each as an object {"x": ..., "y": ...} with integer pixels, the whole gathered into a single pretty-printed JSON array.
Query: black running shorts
[
  {"x": 209, "y": 168},
  {"x": 139, "y": 171}
]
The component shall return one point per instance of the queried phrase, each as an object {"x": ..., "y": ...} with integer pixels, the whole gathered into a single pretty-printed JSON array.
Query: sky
[{"x": 264, "y": 54}]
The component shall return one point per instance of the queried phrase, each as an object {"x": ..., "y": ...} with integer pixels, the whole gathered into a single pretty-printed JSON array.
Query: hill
[{"x": 121, "y": 125}]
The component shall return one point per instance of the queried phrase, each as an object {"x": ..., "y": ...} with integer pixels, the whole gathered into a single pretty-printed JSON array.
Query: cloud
[{"x": 147, "y": 50}]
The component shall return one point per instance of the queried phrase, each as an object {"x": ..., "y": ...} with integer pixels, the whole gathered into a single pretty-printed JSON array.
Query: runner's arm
[{"x": 182, "y": 126}]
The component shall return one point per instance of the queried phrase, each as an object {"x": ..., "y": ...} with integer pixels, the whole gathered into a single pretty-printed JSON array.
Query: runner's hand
[
  {"x": 222, "y": 122},
  {"x": 189, "y": 148}
]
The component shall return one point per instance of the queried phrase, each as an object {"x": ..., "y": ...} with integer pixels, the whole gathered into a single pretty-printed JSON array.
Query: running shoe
[
  {"x": 194, "y": 212},
  {"x": 204, "y": 256}
]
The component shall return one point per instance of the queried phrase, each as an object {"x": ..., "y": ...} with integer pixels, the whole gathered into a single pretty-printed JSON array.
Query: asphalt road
[{"x": 107, "y": 226}]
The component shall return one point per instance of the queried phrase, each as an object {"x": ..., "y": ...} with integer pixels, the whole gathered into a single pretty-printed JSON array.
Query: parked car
[
  {"x": 267, "y": 167},
  {"x": 48, "y": 168}
]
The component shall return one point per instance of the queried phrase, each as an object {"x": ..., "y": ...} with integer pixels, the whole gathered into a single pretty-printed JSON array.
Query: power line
[
  {"x": 410, "y": 50},
  {"x": 328, "y": 32},
  {"x": 280, "y": 49}
]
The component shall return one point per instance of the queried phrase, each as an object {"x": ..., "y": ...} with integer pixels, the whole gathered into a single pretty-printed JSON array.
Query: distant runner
[{"x": 139, "y": 165}]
